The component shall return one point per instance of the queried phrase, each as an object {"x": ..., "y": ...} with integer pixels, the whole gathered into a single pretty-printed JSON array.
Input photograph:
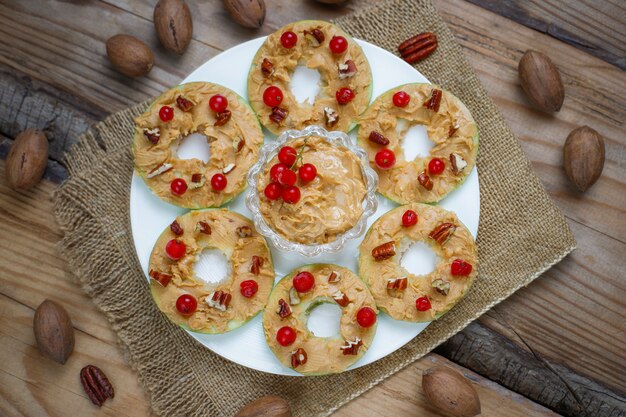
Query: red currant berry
[
  {"x": 272, "y": 96},
  {"x": 401, "y": 99},
  {"x": 291, "y": 194},
  {"x": 303, "y": 281},
  {"x": 307, "y": 172},
  {"x": 273, "y": 191},
  {"x": 287, "y": 155},
  {"x": 218, "y": 182},
  {"x": 287, "y": 177},
  {"x": 175, "y": 249},
  {"x": 186, "y": 304},
  {"x": 249, "y": 288},
  {"x": 422, "y": 304},
  {"x": 436, "y": 166},
  {"x": 288, "y": 39},
  {"x": 277, "y": 169},
  {"x": 285, "y": 336},
  {"x": 366, "y": 317},
  {"x": 166, "y": 113},
  {"x": 178, "y": 186},
  {"x": 409, "y": 218},
  {"x": 385, "y": 158},
  {"x": 460, "y": 268},
  {"x": 344, "y": 95},
  {"x": 218, "y": 103},
  {"x": 338, "y": 44}
]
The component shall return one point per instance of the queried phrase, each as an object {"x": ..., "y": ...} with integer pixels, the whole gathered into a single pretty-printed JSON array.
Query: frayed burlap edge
[{"x": 183, "y": 378}]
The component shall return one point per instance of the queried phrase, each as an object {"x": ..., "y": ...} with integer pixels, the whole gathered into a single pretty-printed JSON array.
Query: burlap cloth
[{"x": 521, "y": 235}]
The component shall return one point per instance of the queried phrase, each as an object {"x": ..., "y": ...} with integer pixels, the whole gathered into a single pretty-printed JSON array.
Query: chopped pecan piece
[
  {"x": 442, "y": 286},
  {"x": 351, "y": 348},
  {"x": 425, "y": 181},
  {"x": 203, "y": 227},
  {"x": 458, "y": 163},
  {"x": 384, "y": 251},
  {"x": 334, "y": 278},
  {"x": 96, "y": 384},
  {"x": 346, "y": 70},
  {"x": 160, "y": 169},
  {"x": 160, "y": 277},
  {"x": 434, "y": 101},
  {"x": 452, "y": 130},
  {"x": 153, "y": 135},
  {"x": 283, "y": 309},
  {"x": 298, "y": 357},
  {"x": 176, "y": 229},
  {"x": 257, "y": 263},
  {"x": 341, "y": 298},
  {"x": 197, "y": 181},
  {"x": 397, "y": 284},
  {"x": 442, "y": 233},
  {"x": 267, "y": 68},
  {"x": 183, "y": 103},
  {"x": 244, "y": 231},
  {"x": 378, "y": 138},
  {"x": 228, "y": 168},
  {"x": 219, "y": 300},
  {"x": 238, "y": 144},
  {"x": 294, "y": 298},
  {"x": 331, "y": 116},
  {"x": 315, "y": 37},
  {"x": 222, "y": 118},
  {"x": 278, "y": 115}
]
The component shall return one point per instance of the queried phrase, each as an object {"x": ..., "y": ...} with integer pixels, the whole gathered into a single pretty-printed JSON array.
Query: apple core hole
[
  {"x": 212, "y": 266},
  {"x": 194, "y": 146},
  {"x": 419, "y": 259},
  {"x": 415, "y": 141},
  {"x": 305, "y": 84},
  {"x": 324, "y": 320}
]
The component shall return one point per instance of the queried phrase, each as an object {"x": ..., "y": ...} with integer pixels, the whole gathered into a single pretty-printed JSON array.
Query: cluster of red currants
[{"x": 283, "y": 176}]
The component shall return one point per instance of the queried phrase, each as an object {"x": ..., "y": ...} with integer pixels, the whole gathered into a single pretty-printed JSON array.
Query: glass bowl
[{"x": 269, "y": 151}]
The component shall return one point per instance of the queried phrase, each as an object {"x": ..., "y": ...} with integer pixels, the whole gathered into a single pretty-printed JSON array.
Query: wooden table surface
[{"x": 556, "y": 346}]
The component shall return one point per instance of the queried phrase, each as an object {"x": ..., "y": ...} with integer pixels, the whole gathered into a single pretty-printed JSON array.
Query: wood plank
[{"x": 596, "y": 27}]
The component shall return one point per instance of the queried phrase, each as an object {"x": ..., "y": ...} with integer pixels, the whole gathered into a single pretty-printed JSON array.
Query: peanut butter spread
[
  {"x": 401, "y": 304},
  {"x": 335, "y": 73},
  {"x": 234, "y": 145},
  {"x": 236, "y": 237},
  {"x": 451, "y": 128},
  {"x": 329, "y": 205},
  {"x": 323, "y": 355}
]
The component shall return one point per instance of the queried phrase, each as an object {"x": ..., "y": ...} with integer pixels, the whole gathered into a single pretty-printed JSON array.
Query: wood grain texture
[
  {"x": 567, "y": 326},
  {"x": 596, "y": 27}
]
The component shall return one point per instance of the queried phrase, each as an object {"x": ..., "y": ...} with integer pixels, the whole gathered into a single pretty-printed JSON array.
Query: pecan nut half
[
  {"x": 267, "y": 68},
  {"x": 458, "y": 163},
  {"x": 160, "y": 277},
  {"x": 222, "y": 118},
  {"x": 153, "y": 135},
  {"x": 238, "y": 144},
  {"x": 160, "y": 169},
  {"x": 334, "y": 277},
  {"x": 384, "y": 251},
  {"x": 418, "y": 47},
  {"x": 255, "y": 266},
  {"x": 331, "y": 116},
  {"x": 341, "y": 298},
  {"x": 425, "y": 180},
  {"x": 351, "y": 348},
  {"x": 184, "y": 104},
  {"x": 283, "y": 309},
  {"x": 96, "y": 384},
  {"x": 197, "y": 181},
  {"x": 442, "y": 233},
  {"x": 219, "y": 300},
  {"x": 298, "y": 357},
  {"x": 434, "y": 101},
  {"x": 176, "y": 229},
  {"x": 378, "y": 138},
  {"x": 397, "y": 284},
  {"x": 244, "y": 231},
  {"x": 346, "y": 70},
  {"x": 442, "y": 286}
]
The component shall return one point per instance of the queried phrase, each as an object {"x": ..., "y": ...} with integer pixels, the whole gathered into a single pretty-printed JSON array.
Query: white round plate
[{"x": 246, "y": 346}]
